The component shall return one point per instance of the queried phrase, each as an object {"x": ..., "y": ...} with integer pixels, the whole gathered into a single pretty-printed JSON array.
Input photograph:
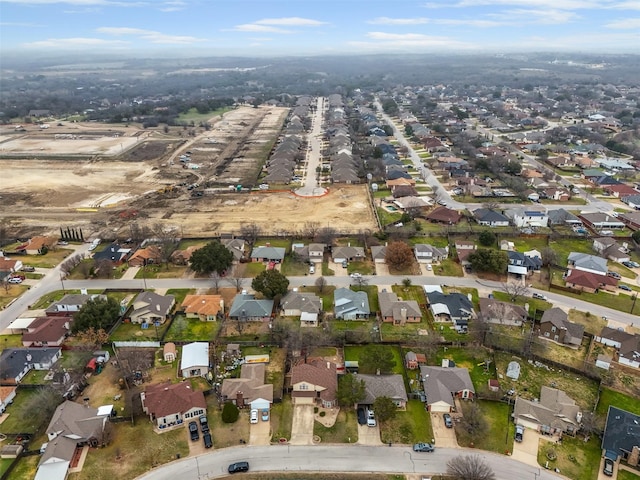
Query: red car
[{"x": 17, "y": 275}]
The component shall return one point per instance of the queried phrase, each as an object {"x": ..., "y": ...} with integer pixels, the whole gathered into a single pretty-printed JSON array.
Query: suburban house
[
  {"x": 463, "y": 250},
  {"x": 150, "y": 308},
  {"x": 452, "y": 307},
  {"x": 554, "y": 414},
  {"x": 182, "y": 257},
  {"x": 313, "y": 253},
  {"x": 631, "y": 220},
  {"x": 563, "y": 217},
  {"x": 555, "y": 325},
  {"x": 113, "y": 253},
  {"x": 206, "y": 308},
  {"x": 608, "y": 248},
  {"x": 426, "y": 253},
  {"x": 8, "y": 266},
  {"x": 315, "y": 382},
  {"x": 495, "y": 311},
  {"x": 195, "y": 360},
  {"x": 621, "y": 437},
  {"x": 413, "y": 360},
  {"x": 350, "y": 305},
  {"x": 15, "y": 363},
  {"x": 444, "y": 215},
  {"x": 442, "y": 385},
  {"x": 588, "y": 281},
  {"x": 632, "y": 200},
  {"x": 600, "y": 221},
  {"x": 73, "y": 427},
  {"x": 170, "y": 405},
  {"x": 236, "y": 246},
  {"x": 390, "y": 386},
  {"x": 378, "y": 253},
  {"x": 490, "y": 218},
  {"x": 587, "y": 263},
  {"x": 47, "y": 332},
  {"x": 523, "y": 264},
  {"x": 36, "y": 245},
  {"x": 71, "y": 303},
  {"x": 246, "y": 307},
  {"x": 527, "y": 217},
  {"x": 613, "y": 337},
  {"x": 249, "y": 388},
  {"x": 267, "y": 253},
  {"x": 397, "y": 311},
  {"x": 629, "y": 352},
  {"x": 7, "y": 394},
  {"x": 146, "y": 256},
  {"x": 347, "y": 254},
  {"x": 302, "y": 304}
]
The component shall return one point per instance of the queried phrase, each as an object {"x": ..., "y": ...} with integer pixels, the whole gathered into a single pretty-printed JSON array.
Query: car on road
[
  {"x": 193, "y": 431},
  {"x": 607, "y": 469},
  {"x": 238, "y": 467},
  {"x": 265, "y": 414},
  {"x": 626, "y": 288},
  {"x": 356, "y": 275},
  {"x": 519, "y": 433},
  {"x": 371, "y": 419},
  {"x": 423, "y": 447},
  {"x": 254, "y": 415},
  {"x": 630, "y": 264},
  {"x": 362, "y": 417},
  {"x": 539, "y": 296},
  {"x": 204, "y": 423},
  {"x": 206, "y": 438},
  {"x": 15, "y": 280},
  {"x": 448, "y": 421}
]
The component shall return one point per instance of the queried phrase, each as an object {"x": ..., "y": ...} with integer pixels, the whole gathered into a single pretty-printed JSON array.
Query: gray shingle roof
[
  {"x": 391, "y": 386},
  {"x": 246, "y": 305}
]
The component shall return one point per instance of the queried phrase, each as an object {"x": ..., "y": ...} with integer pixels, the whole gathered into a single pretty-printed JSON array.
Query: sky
[{"x": 318, "y": 27}]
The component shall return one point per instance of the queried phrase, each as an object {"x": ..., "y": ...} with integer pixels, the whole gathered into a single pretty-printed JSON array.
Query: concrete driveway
[
  {"x": 260, "y": 433},
  {"x": 526, "y": 451},
  {"x": 444, "y": 437},
  {"x": 302, "y": 425},
  {"x": 368, "y": 435}
]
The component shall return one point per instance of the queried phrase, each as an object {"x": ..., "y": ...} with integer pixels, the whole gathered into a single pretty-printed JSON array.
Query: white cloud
[
  {"x": 624, "y": 24},
  {"x": 252, "y": 27},
  {"x": 404, "y": 40},
  {"x": 535, "y": 16},
  {"x": 399, "y": 21},
  {"x": 290, "y": 21},
  {"x": 77, "y": 42},
  {"x": 149, "y": 35}
]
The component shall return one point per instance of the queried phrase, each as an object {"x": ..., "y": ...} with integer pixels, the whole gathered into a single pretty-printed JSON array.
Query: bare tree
[
  {"x": 515, "y": 290},
  {"x": 327, "y": 235},
  {"x": 310, "y": 229},
  {"x": 589, "y": 424},
  {"x": 138, "y": 232},
  {"x": 360, "y": 282},
  {"x": 167, "y": 242},
  {"x": 473, "y": 422},
  {"x": 321, "y": 283},
  {"x": 91, "y": 339},
  {"x": 250, "y": 232},
  {"x": 549, "y": 256},
  {"x": 103, "y": 268},
  {"x": 470, "y": 467},
  {"x": 5, "y": 284},
  {"x": 236, "y": 280},
  {"x": 215, "y": 280},
  {"x": 85, "y": 267}
]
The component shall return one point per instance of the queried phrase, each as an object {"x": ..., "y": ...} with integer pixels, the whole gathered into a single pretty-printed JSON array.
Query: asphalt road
[{"x": 339, "y": 458}]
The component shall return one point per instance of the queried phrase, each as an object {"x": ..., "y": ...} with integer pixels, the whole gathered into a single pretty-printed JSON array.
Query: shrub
[{"x": 230, "y": 413}]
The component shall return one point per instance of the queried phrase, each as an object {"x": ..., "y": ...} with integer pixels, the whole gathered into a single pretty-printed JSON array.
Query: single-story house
[
  {"x": 206, "y": 308},
  {"x": 390, "y": 386},
  {"x": 452, "y": 307},
  {"x": 246, "y": 307},
  {"x": 348, "y": 254},
  {"x": 267, "y": 253},
  {"x": 600, "y": 221},
  {"x": 631, "y": 220},
  {"x": 249, "y": 387},
  {"x": 36, "y": 245},
  {"x": 350, "y": 305},
  {"x": 554, "y": 413},
  {"x": 9, "y": 266},
  {"x": 490, "y": 218},
  {"x": 7, "y": 394},
  {"x": 71, "y": 303},
  {"x": 170, "y": 405},
  {"x": 378, "y": 253},
  {"x": 444, "y": 215},
  {"x": 397, "y": 311},
  {"x": 622, "y": 435},
  {"x": 555, "y": 325},
  {"x": 151, "y": 308},
  {"x": 15, "y": 363},
  {"x": 588, "y": 263},
  {"x": 632, "y": 200},
  {"x": 47, "y": 332},
  {"x": 236, "y": 246},
  {"x": 442, "y": 385},
  {"x": 495, "y": 311},
  {"x": 294, "y": 303},
  {"x": 315, "y": 382},
  {"x": 195, "y": 360},
  {"x": 146, "y": 256}
]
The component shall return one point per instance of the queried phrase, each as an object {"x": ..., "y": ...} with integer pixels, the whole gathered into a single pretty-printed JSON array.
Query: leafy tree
[
  {"x": 270, "y": 283},
  {"x": 230, "y": 413},
  {"x": 351, "y": 390},
  {"x": 486, "y": 260},
  {"x": 636, "y": 236},
  {"x": 97, "y": 313},
  {"x": 213, "y": 257},
  {"x": 513, "y": 168},
  {"x": 376, "y": 357},
  {"x": 487, "y": 238},
  {"x": 385, "y": 408},
  {"x": 398, "y": 255},
  {"x": 470, "y": 467}
]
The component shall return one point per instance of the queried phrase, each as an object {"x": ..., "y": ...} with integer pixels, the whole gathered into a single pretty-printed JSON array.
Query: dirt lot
[{"x": 129, "y": 169}]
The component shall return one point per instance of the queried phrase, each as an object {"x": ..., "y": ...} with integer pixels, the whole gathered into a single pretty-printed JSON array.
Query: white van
[{"x": 312, "y": 269}]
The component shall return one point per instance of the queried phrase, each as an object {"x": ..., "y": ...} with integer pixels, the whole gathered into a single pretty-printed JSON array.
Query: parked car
[
  {"x": 206, "y": 438},
  {"x": 28, "y": 268},
  {"x": 345, "y": 264},
  {"x": 423, "y": 447},
  {"x": 254, "y": 415},
  {"x": 204, "y": 423},
  {"x": 631, "y": 264},
  {"x": 362, "y": 418},
  {"x": 193, "y": 431},
  {"x": 519, "y": 433},
  {"x": 371, "y": 419},
  {"x": 539, "y": 296},
  {"x": 448, "y": 421},
  {"x": 312, "y": 269},
  {"x": 607, "y": 469},
  {"x": 238, "y": 467},
  {"x": 356, "y": 275},
  {"x": 614, "y": 275},
  {"x": 265, "y": 414},
  {"x": 14, "y": 280},
  {"x": 626, "y": 288},
  {"x": 17, "y": 275}
]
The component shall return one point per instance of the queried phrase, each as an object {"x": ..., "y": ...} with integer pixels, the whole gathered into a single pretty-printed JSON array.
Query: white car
[
  {"x": 15, "y": 280},
  {"x": 371, "y": 419},
  {"x": 356, "y": 275},
  {"x": 254, "y": 415}
]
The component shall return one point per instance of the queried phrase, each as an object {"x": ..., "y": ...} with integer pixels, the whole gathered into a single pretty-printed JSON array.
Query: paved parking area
[
  {"x": 369, "y": 435},
  {"x": 302, "y": 425},
  {"x": 260, "y": 433},
  {"x": 444, "y": 437},
  {"x": 527, "y": 450}
]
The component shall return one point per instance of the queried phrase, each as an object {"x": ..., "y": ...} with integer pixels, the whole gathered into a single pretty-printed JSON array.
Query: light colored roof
[
  {"x": 441, "y": 382},
  {"x": 202, "y": 304},
  {"x": 391, "y": 386},
  {"x": 20, "y": 323},
  {"x": 195, "y": 354}
]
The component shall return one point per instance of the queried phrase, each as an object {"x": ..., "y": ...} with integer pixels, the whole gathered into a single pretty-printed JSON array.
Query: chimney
[
  {"x": 239, "y": 400},
  {"x": 328, "y": 365}
]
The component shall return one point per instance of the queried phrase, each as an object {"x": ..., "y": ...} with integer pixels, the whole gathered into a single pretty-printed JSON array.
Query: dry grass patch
[{"x": 592, "y": 323}]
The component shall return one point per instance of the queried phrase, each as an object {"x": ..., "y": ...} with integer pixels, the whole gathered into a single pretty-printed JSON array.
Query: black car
[
  {"x": 193, "y": 431},
  {"x": 208, "y": 443},
  {"x": 239, "y": 467},
  {"x": 423, "y": 447},
  {"x": 362, "y": 417},
  {"x": 519, "y": 433},
  {"x": 204, "y": 423},
  {"x": 448, "y": 422},
  {"x": 608, "y": 467}
]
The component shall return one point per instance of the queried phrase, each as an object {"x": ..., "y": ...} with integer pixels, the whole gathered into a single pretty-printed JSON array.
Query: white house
[
  {"x": 195, "y": 360},
  {"x": 529, "y": 217}
]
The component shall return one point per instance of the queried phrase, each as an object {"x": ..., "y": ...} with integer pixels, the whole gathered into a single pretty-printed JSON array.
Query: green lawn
[
  {"x": 353, "y": 352},
  {"x": 565, "y": 246},
  {"x": 627, "y": 475},
  {"x": 193, "y": 116},
  {"x": 345, "y": 430},
  {"x": 281, "y": 419},
  {"x": 448, "y": 268},
  {"x": 500, "y": 429},
  {"x": 407, "y": 427},
  {"x": 617, "y": 399},
  {"x": 472, "y": 359},
  {"x": 386, "y": 217},
  {"x": 405, "y": 333},
  {"x": 575, "y": 457},
  {"x": 364, "y": 267},
  {"x": 618, "y": 301},
  {"x": 252, "y": 269},
  {"x": 21, "y": 418},
  {"x": 184, "y": 329},
  {"x": 26, "y": 468},
  {"x": 412, "y": 292},
  {"x": 10, "y": 341},
  {"x": 294, "y": 268}
]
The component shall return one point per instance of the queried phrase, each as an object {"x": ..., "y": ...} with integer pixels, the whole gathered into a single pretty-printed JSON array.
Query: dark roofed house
[
  {"x": 172, "y": 405},
  {"x": 442, "y": 385},
  {"x": 113, "y": 253},
  {"x": 151, "y": 308},
  {"x": 15, "y": 363},
  {"x": 444, "y": 215},
  {"x": 454, "y": 307},
  {"x": 390, "y": 386},
  {"x": 315, "y": 382},
  {"x": 622, "y": 436},
  {"x": 490, "y": 218},
  {"x": 555, "y": 325},
  {"x": 267, "y": 253},
  {"x": 47, "y": 332},
  {"x": 247, "y": 307}
]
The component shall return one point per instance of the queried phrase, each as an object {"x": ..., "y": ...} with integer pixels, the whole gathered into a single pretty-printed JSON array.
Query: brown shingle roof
[
  {"x": 165, "y": 398},
  {"x": 319, "y": 373}
]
